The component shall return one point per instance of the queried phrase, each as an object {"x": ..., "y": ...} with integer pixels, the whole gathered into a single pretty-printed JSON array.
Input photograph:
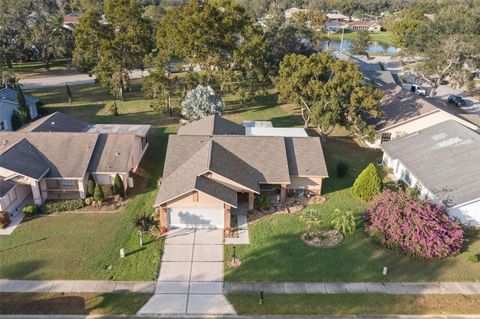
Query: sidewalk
[
  {"x": 393, "y": 288},
  {"x": 68, "y": 286}
]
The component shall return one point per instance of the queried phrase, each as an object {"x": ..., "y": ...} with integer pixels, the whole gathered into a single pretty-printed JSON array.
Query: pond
[{"x": 376, "y": 47}]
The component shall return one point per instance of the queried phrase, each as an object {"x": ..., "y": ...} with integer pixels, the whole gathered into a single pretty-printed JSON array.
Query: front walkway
[
  {"x": 191, "y": 275},
  {"x": 393, "y": 288},
  {"x": 71, "y": 286}
]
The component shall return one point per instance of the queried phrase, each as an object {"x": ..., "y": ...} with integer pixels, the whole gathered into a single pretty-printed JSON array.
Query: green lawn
[
  {"x": 385, "y": 37},
  {"x": 276, "y": 253},
  {"x": 79, "y": 246},
  {"x": 37, "y": 69},
  {"x": 72, "y": 303},
  {"x": 355, "y": 304}
]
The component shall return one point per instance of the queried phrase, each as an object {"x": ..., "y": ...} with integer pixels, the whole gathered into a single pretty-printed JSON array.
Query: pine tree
[
  {"x": 118, "y": 186},
  {"x": 98, "y": 193},
  {"x": 23, "y": 109},
  {"x": 368, "y": 184}
]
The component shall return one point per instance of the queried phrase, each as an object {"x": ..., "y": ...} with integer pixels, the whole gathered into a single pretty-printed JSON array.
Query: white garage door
[{"x": 196, "y": 217}]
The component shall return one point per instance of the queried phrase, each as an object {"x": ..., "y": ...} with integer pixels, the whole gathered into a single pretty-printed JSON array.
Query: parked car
[
  {"x": 415, "y": 88},
  {"x": 456, "y": 100}
]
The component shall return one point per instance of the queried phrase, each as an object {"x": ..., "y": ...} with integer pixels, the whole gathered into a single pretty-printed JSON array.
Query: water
[{"x": 376, "y": 47}]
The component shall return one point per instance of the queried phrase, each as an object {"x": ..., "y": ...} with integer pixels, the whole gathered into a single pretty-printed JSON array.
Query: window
[
  {"x": 408, "y": 178},
  {"x": 386, "y": 137},
  {"x": 3, "y": 126},
  {"x": 69, "y": 182}
]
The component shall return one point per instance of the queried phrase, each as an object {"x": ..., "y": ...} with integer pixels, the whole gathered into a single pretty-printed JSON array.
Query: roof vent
[
  {"x": 53, "y": 123},
  {"x": 117, "y": 153}
]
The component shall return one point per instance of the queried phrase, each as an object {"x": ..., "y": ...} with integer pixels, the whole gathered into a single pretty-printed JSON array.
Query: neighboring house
[
  {"x": 369, "y": 26},
  {"x": 70, "y": 20},
  {"x": 441, "y": 161},
  {"x": 9, "y": 104},
  {"x": 52, "y": 158},
  {"x": 212, "y": 167},
  {"x": 336, "y": 16},
  {"x": 334, "y": 26},
  {"x": 405, "y": 112},
  {"x": 289, "y": 13}
]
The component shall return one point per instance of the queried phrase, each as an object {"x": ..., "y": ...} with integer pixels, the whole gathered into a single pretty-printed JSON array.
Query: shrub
[
  {"x": 412, "y": 191},
  {"x": 342, "y": 169},
  {"x": 263, "y": 202},
  {"x": 417, "y": 228},
  {"x": 98, "y": 193},
  {"x": 90, "y": 185},
  {"x": 88, "y": 201},
  {"x": 474, "y": 258},
  {"x": 118, "y": 186},
  {"x": 368, "y": 184},
  {"x": 201, "y": 102},
  {"x": 30, "y": 210},
  {"x": 346, "y": 222},
  {"x": 111, "y": 108},
  {"x": 4, "y": 219},
  {"x": 53, "y": 206},
  {"x": 107, "y": 190}
]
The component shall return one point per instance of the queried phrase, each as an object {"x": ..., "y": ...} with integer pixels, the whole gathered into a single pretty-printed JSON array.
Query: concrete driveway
[{"x": 191, "y": 275}]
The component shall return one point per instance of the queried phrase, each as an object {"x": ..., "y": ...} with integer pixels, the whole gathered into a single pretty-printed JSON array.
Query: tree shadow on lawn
[
  {"x": 287, "y": 258},
  {"x": 34, "y": 304},
  {"x": 24, "y": 244},
  {"x": 336, "y": 150},
  {"x": 21, "y": 270}
]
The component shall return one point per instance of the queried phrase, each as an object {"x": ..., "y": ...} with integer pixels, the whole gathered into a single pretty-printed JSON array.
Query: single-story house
[
  {"x": 405, "y": 112},
  {"x": 70, "y": 20},
  {"x": 369, "y": 26},
  {"x": 337, "y": 16},
  {"x": 52, "y": 158},
  {"x": 441, "y": 161},
  {"x": 213, "y": 167},
  {"x": 9, "y": 104},
  {"x": 334, "y": 26}
]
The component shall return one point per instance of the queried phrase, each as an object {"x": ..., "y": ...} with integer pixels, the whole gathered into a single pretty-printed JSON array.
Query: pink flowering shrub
[{"x": 402, "y": 222}]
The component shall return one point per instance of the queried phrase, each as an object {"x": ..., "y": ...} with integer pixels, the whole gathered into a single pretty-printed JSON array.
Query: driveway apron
[{"x": 191, "y": 275}]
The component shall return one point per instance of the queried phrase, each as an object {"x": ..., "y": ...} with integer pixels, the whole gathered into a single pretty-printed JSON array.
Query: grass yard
[
  {"x": 385, "y": 37},
  {"x": 37, "y": 69},
  {"x": 71, "y": 303},
  {"x": 351, "y": 304},
  {"x": 79, "y": 246},
  {"x": 276, "y": 253}
]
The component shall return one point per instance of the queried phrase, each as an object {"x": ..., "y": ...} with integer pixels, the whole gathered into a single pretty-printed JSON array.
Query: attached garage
[{"x": 196, "y": 217}]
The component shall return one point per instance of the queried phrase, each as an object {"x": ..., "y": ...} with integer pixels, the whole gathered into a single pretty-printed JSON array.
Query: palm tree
[{"x": 310, "y": 217}]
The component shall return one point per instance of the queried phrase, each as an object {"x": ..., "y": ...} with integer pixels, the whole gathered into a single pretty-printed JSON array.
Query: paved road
[
  {"x": 191, "y": 276},
  {"x": 59, "y": 81}
]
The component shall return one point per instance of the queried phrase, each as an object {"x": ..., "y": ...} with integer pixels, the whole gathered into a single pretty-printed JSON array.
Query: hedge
[
  {"x": 53, "y": 206},
  {"x": 368, "y": 184}
]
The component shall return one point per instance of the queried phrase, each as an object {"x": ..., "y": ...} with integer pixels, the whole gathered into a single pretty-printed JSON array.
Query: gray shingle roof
[
  {"x": 444, "y": 157},
  {"x": 22, "y": 157},
  {"x": 212, "y": 125},
  {"x": 5, "y": 186},
  {"x": 56, "y": 122},
  {"x": 305, "y": 156}
]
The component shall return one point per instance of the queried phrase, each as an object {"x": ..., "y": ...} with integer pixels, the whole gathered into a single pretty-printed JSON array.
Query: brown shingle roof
[
  {"x": 212, "y": 125},
  {"x": 66, "y": 154},
  {"x": 305, "y": 156},
  {"x": 112, "y": 153}
]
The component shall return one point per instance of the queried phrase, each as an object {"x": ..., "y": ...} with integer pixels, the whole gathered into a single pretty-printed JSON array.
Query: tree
[
  {"x": 448, "y": 46},
  {"x": 98, "y": 193},
  {"x": 361, "y": 43},
  {"x": 418, "y": 228},
  {"x": 310, "y": 217},
  {"x": 368, "y": 184},
  {"x": 110, "y": 51},
  {"x": 118, "y": 186},
  {"x": 69, "y": 93},
  {"x": 344, "y": 221},
  {"x": 91, "y": 185},
  {"x": 329, "y": 92},
  {"x": 143, "y": 223},
  {"x": 46, "y": 34},
  {"x": 201, "y": 102},
  {"x": 23, "y": 109}
]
